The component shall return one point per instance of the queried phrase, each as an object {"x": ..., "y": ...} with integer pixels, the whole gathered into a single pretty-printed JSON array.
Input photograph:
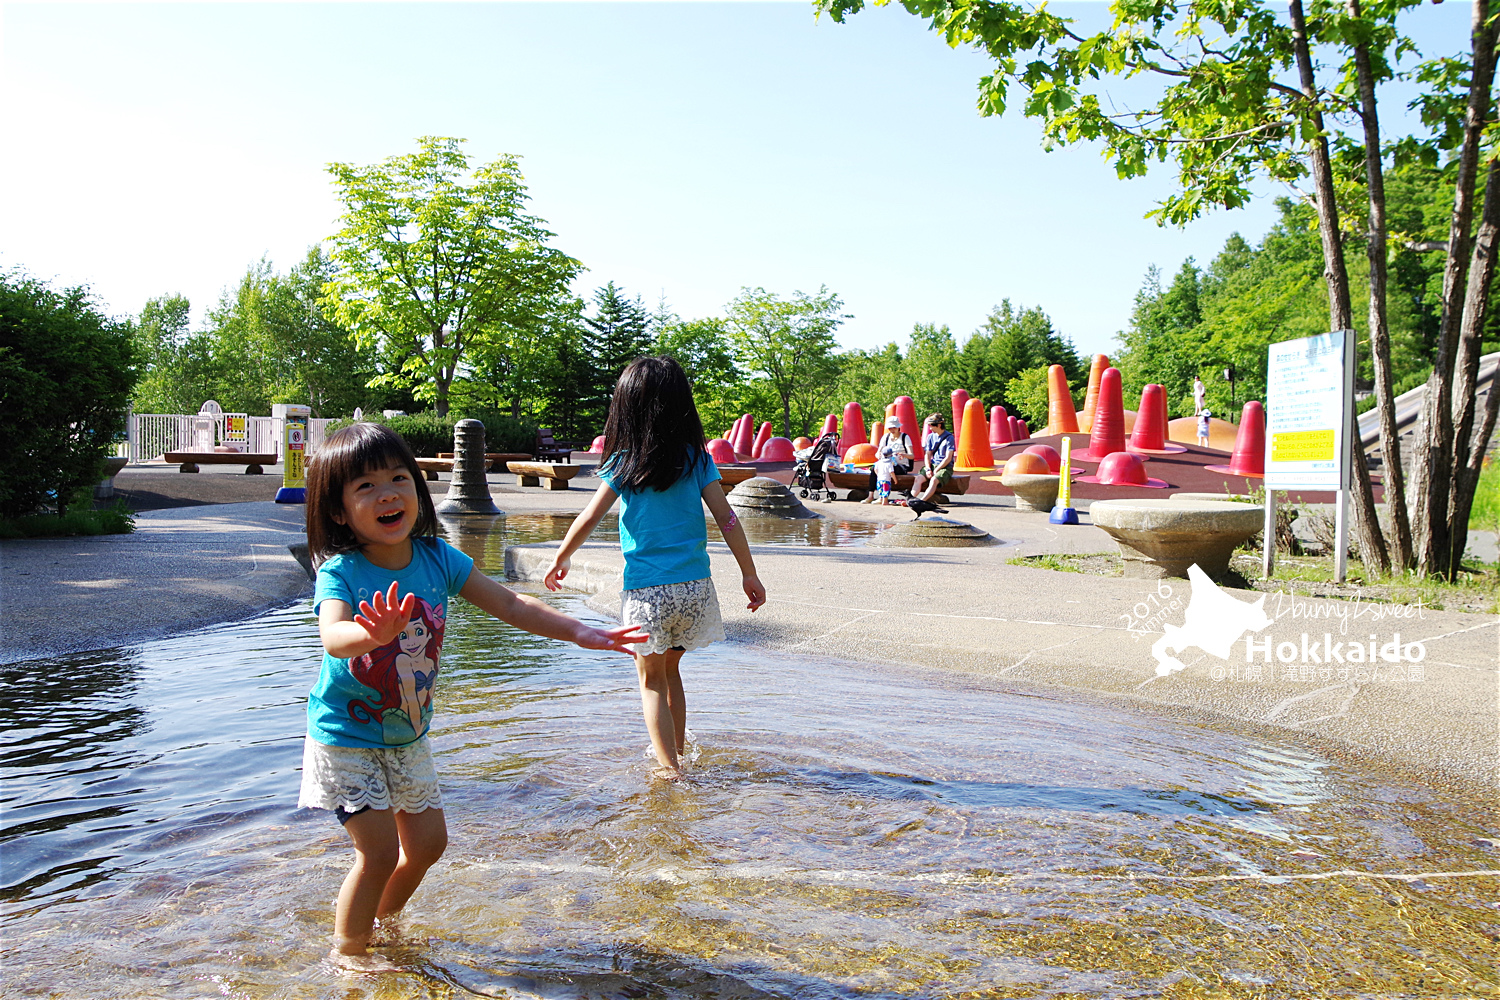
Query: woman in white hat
[{"x": 892, "y": 458}]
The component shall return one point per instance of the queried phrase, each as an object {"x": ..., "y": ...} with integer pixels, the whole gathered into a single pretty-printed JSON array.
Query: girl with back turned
[
  {"x": 655, "y": 463},
  {"x": 381, "y": 598}
]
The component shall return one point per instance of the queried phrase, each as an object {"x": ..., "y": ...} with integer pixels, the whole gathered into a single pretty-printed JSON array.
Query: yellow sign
[
  {"x": 1303, "y": 446},
  {"x": 293, "y": 454},
  {"x": 236, "y": 428},
  {"x": 1065, "y": 494}
]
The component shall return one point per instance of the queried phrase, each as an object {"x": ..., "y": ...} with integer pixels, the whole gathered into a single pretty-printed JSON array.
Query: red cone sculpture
[
  {"x": 1000, "y": 434},
  {"x": 960, "y": 400},
  {"x": 1249, "y": 458},
  {"x": 1108, "y": 435},
  {"x": 1150, "y": 434}
]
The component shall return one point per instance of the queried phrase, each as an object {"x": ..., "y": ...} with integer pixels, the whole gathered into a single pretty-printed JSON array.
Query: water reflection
[{"x": 849, "y": 831}]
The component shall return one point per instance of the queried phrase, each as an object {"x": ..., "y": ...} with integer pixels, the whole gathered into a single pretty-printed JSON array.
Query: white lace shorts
[
  {"x": 353, "y": 778},
  {"x": 675, "y": 614}
]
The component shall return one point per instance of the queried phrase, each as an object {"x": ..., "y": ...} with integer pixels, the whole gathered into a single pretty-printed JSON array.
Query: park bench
[
  {"x": 532, "y": 473},
  {"x": 858, "y": 485},
  {"x": 548, "y": 449},
  {"x": 493, "y": 462},
  {"x": 188, "y": 461}
]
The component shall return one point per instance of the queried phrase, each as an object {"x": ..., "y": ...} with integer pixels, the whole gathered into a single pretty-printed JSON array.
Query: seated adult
[
  {"x": 892, "y": 459},
  {"x": 939, "y": 456}
]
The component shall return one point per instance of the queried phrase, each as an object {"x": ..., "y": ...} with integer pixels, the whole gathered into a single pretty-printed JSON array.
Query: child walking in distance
[
  {"x": 656, "y": 465},
  {"x": 384, "y": 580}
]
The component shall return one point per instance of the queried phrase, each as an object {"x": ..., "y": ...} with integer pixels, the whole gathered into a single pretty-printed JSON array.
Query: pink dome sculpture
[
  {"x": 777, "y": 449},
  {"x": 1121, "y": 468},
  {"x": 597, "y": 448},
  {"x": 721, "y": 451}
]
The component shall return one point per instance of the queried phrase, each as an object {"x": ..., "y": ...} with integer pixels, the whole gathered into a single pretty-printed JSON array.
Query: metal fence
[{"x": 149, "y": 436}]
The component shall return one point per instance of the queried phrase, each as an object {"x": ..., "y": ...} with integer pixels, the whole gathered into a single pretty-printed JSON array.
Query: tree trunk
[
  {"x": 1469, "y": 448},
  {"x": 1340, "y": 312},
  {"x": 1432, "y": 478},
  {"x": 1380, "y": 337}
]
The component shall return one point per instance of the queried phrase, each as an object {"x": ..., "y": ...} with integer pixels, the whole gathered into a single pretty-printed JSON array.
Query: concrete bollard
[{"x": 469, "y": 492}]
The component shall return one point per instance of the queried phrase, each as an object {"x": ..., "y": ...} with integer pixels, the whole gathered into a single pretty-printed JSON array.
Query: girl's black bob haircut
[
  {"x": 653, "y": 434},
  {"x": 349, "y": 453}
]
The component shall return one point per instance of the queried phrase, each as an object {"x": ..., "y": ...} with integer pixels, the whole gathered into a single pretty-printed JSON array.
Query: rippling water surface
[{"x": 848, "y": 831}]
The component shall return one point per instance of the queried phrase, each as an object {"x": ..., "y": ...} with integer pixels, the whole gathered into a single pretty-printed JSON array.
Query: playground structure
[{"x": 974, "y": 453}]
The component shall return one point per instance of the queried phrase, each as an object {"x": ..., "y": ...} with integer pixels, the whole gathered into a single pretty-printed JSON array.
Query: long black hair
[
  {"x": 653, "y": 434},
  {"x": 347, "y": 454}
]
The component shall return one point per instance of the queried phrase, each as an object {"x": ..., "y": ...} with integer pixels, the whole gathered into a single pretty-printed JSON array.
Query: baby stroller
[{"x": 808, "y": 474}]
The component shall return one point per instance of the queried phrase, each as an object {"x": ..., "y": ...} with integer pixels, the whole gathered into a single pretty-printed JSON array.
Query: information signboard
[{"x": 1309, "y": 412}]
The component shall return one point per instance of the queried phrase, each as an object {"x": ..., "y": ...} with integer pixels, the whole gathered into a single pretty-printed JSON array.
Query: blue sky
[{"x": 678, "y": 149}]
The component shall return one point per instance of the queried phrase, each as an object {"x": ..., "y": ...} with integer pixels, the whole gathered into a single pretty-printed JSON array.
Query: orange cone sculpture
[
  {"x": 1108, "y": 435},
  {"x": 1091, "y": 398},
  {"x": 974, "y": 446},
  {"x": 1249, "y": 458},
  {"x": 1061, "y": 418},
  {"x": 1000, "y": 435},
  {"x": 960, "y": 400},
  {"x": 906, "y": 412}
]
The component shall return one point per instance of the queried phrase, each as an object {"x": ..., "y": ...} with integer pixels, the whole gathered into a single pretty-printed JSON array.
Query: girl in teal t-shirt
[
  {"x": 656, "y": 464},
  {"x": 371, "y": 529}
]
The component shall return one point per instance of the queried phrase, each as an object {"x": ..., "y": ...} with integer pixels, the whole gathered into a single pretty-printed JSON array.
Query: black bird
[{"x": 923, "y": 506}]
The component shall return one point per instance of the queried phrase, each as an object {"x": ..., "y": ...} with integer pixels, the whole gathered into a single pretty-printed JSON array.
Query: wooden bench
[
  {"x": 493, "y": 462},
  {"x": 547, "y": 448},
  {"x": 858, "y": 485},
  {"x": 532, "y": 474},
  {"x": 188, "y": 461}
]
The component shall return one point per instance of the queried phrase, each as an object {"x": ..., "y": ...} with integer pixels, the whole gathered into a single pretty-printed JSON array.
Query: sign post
[
  {"x": 293, "y": 453},
  {"x": 1063, "y": 512},
  {"x": 1310, "y": 429}
]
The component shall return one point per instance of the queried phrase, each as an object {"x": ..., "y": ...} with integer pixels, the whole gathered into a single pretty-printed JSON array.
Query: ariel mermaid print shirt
[{"x": 384, "y": 698}]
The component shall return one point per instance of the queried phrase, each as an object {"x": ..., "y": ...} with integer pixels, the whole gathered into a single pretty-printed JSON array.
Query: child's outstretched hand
[
  {"x": 756, "y": 591},
  {"x": 615, "y": 639},
  {"x": 556, "y": 572},
  {"x": 384, "y": 619}
]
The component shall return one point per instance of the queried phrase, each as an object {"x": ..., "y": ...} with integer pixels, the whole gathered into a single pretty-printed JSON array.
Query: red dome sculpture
[{"x": 1121, "y": 468}]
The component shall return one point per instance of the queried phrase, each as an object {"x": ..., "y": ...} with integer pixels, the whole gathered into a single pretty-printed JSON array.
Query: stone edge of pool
[{"x": 966, "y": 611}]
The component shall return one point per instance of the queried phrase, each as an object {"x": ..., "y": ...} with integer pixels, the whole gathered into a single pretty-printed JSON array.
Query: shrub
[
  {"x": 66, "y": 372},
  {"x": 428, "y": 433},
  {"x": 79, "y": 520}
]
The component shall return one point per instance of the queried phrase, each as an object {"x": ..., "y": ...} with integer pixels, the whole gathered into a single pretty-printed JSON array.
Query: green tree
[
  {"x": 160, "y": 336},
  {"x": 789, "y": 343},
  {"x": 616, "y": 334},
  {"x": 1027, "y": 394},
  {"x": 66, "y": 371},
  {"x": 1011, "y": 340},
  {"x": 429, "y": 265},
  {"x": 702, "y": 347}
]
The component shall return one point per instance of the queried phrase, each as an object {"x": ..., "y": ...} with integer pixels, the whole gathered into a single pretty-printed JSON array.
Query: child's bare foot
[
  {"x": 672, "y": 774},
  {"x": 368, "y": 962}
]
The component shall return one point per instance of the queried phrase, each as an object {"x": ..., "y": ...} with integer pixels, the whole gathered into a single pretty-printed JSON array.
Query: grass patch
[
  {"x": 113, "y": 520},
  {"x": 1092, "y": 563},
  {"x": 1477, "y": 588}
]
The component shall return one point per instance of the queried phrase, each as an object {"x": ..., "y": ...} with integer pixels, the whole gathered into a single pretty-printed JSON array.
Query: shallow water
[
  {"x": 848, "y": 831},
  {"x": 515, "y": 529}
]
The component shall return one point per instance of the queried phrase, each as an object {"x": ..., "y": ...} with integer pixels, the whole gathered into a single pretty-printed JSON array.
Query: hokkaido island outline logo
[{"x": 1214, "y": 622}]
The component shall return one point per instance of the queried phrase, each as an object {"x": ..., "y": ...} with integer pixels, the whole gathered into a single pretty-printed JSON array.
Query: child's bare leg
[
  {"x": 656, "y": 707},
  {"x": 377, "y": 851},
  {"x": 676, "y": 700},
  {"x": 424, "y": 837}
]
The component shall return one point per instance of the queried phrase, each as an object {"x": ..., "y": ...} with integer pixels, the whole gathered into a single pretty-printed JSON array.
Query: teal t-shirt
[
  {"x": 662, "y": 532},
  {"x": 384, "y": 698}
]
